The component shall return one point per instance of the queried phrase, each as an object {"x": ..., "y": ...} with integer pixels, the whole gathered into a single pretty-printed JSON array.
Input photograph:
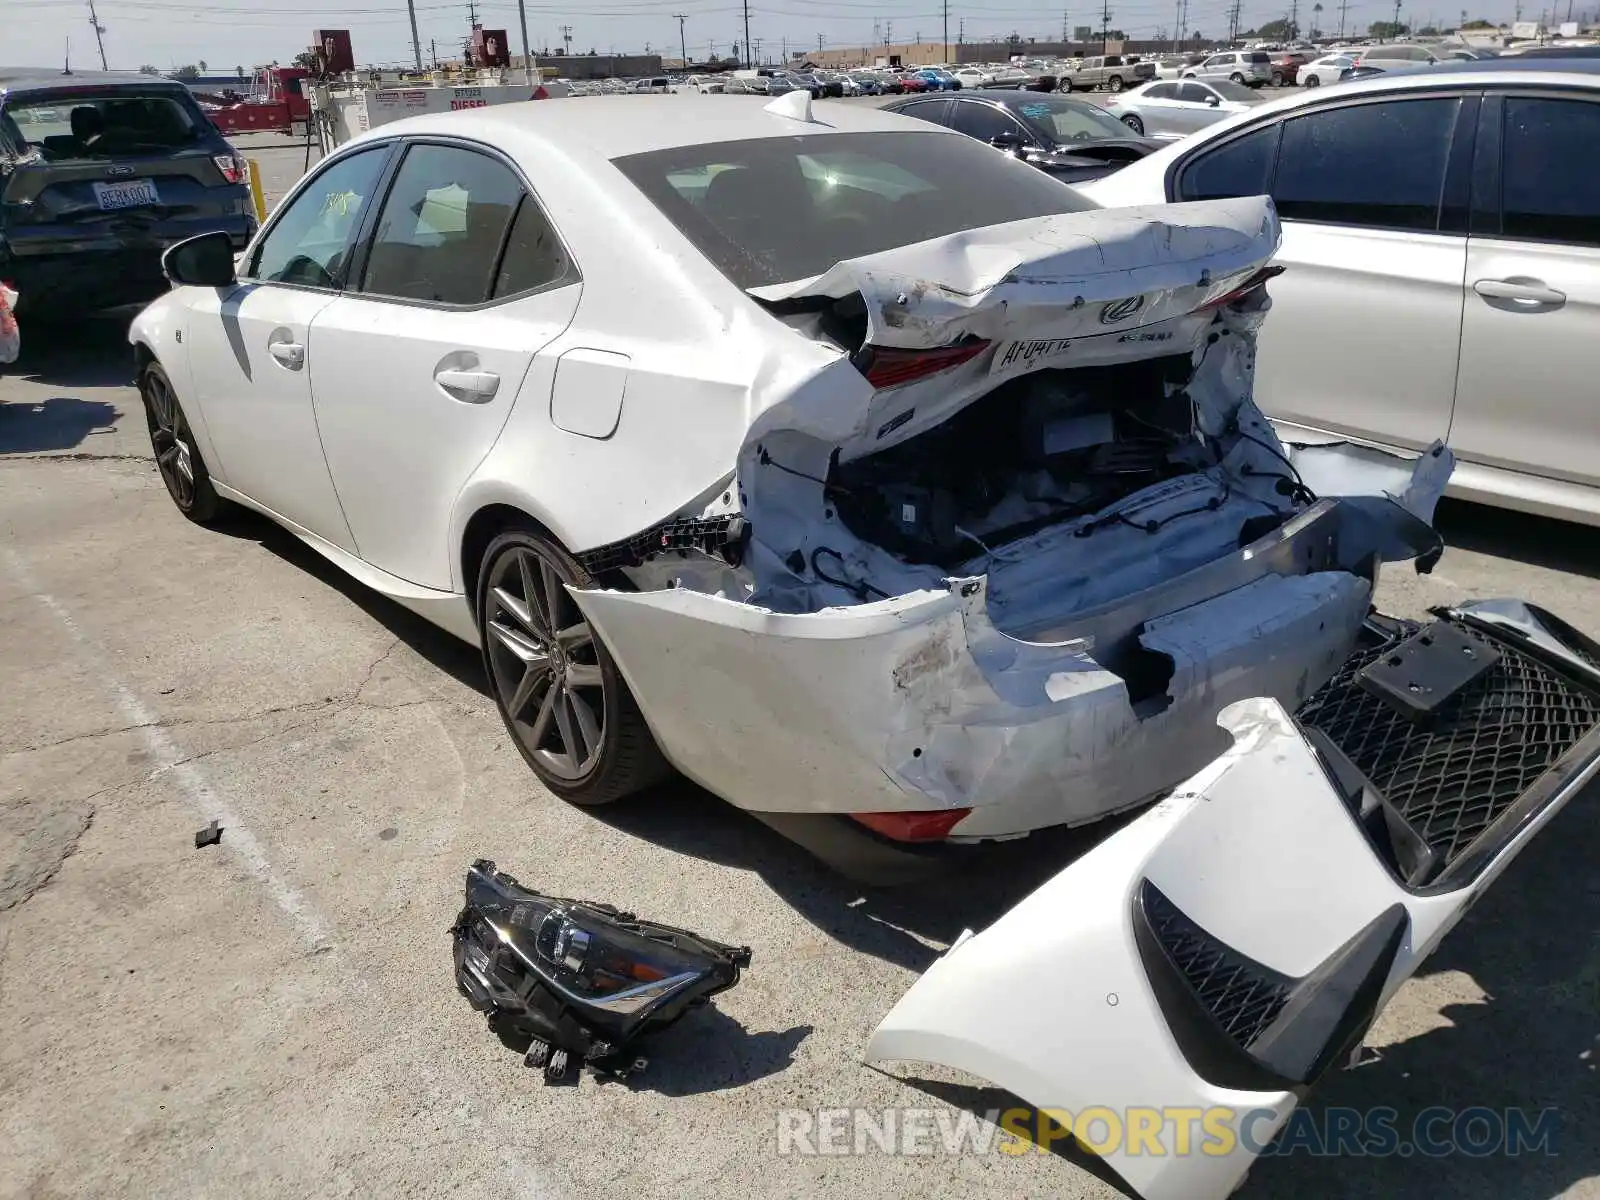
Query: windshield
[
  {"x": 775, "y": 210},
  {"x": 78, "y": 125},
  {"x": 1063, "y": 120},
  {"x": 1229, "y": 90}
]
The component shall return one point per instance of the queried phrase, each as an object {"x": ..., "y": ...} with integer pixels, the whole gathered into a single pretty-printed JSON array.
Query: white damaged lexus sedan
[
  {"x": 884, "y": 487},
  {"x": 857, "y": 472}
]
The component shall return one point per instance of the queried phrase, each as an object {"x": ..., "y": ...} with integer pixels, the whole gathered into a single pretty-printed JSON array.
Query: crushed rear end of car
[{"x": 998, "y": 564}]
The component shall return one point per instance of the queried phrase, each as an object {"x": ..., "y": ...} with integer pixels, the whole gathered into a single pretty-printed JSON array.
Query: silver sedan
[{"x": 1175, "y": 108}]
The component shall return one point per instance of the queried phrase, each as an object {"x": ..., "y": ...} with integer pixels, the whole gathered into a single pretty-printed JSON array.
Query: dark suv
[{"x": 99, "y": 173}]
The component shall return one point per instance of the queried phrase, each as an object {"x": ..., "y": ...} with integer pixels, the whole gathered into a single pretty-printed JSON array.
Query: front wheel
[
  {"x": 558, "y": 690},
  {"x": 1312, "y": 81},
  {"x": 1237, "y": 77},
  {"x": 1132, "y": 121},
  {"x": 177, "y": 457}
]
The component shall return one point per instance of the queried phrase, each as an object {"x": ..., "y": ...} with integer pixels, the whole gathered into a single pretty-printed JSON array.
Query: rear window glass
[
  {"x": 78, "y": 125},
  {"x": 775, "y": 210},
  {"x": 1258, "y": 57}
]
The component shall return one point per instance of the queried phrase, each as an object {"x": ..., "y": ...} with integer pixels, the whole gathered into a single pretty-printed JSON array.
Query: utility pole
[
  {"x": 683, "y": 46},
  {"x": 94, "y": 23},
  {"x": 820, "y": 43},
  {"x": 748, "y": 63},
  {"x": 1233, "y": 21},
  {"x": 1105, "y": 25},
  {"x": 566, "y": 39},
  {"x": 944, "y": 38},
  {"x": 416, "y": 42},
  {"x": 1394, "y": 29},
  {"x": 1343, "y": 7},
  {"x": 433, "y": 52},
  {"x": 961, "y": 32},
  {"x": 755, "y": 50},
  {"x": 888, "y": 35},
  {"x": 1177, "y": 30},
  {"x": 527, "y": 51},
  {"x": 1294, "y": 18}
]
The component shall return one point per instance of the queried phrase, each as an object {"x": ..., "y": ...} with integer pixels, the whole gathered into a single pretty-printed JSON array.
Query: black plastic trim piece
[
  {"x": 721, "y": 537},
  {"x": 1315, "y": 1019}
]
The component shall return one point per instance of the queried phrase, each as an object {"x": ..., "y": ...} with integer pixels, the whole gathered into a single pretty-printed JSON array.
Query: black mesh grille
[
  {"x": 1243, "y": 996},
  {"x": 1454, "y": 774}
]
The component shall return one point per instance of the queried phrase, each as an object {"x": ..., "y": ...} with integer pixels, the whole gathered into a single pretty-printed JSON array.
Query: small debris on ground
[{"x": 209, "y": 836}]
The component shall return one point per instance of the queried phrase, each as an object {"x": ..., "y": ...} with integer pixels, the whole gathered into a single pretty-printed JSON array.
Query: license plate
[{"x": 132, "y": 194}]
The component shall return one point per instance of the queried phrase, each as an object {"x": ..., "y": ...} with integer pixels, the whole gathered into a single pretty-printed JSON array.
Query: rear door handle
[
  {"x": 1528, "y": 292},
  {"x": 290, "y": 354},
  {"x": 474, "y": 387}
]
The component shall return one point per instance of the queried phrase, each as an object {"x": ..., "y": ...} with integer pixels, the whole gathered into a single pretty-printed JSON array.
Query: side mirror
[
  {"x": 203, "y": 261},
  {"x": 1007, "y": 139},
  {"x": 1213, "y": 100}
]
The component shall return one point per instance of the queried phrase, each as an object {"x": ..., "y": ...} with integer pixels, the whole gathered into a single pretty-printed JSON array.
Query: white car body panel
[
  {"x": 1550, "y": 318},
  {"x": 259, "y": 415},
  {"x": 396, "y": 438},
  {"x": 1325, "y": 297},
  {"x": 1261, "y": 821}
]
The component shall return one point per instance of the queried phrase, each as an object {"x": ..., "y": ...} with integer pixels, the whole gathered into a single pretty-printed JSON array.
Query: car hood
[{"x": 1008, "y": 299}]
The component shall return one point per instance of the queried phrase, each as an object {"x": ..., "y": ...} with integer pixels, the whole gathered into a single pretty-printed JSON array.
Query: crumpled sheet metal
[{"x": 980, "y": 282}]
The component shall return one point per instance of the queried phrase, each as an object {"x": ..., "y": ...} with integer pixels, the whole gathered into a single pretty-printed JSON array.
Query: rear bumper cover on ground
[{"x": 1220, "y": 953}]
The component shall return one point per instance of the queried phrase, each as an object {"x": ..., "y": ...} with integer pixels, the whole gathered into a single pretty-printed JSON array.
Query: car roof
[
  {"x": 608, "y": 127},
  {"x": 15, "y": 80}
]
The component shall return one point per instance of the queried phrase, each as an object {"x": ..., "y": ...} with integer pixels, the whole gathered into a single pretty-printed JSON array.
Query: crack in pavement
[
  {"x": 21, "y": 884},
  {"x": 326, "y": 706}
]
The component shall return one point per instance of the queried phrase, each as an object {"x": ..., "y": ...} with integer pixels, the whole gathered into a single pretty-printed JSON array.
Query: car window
[
  {"x": 1551, "y": 192},
  {"x": 776, "y": 210},
  {"x": 1259, "y": 57},
  {"x": 1058, "y": 119},
  {"x": 1229, "y": 90},
  {"x": 98, "y": 124},
  {"x": 1240, "y": 167},
  {"x": 1379, "y": 165},
  {"x": 1194, "y": 93},
  {"x": 308, "y": 243},
  {"x": 924, "y": 110},
  {"x": 442, "y": 227},
  {"x": 533, "y": 257},
  {"x": 982, "y": 121},
  {"x": 1113, "y": 60},
  {"x": 1160, "y": 91}
]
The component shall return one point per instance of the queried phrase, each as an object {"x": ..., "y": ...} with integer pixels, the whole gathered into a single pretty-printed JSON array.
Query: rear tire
[
  {"x": 1277, "y": 79},
  {"x": 177, "y": 457},
  {"x": 1132, "y": 121},
  {"x": 559, "y": 692},
  {"x": 1312, "y": 81}
]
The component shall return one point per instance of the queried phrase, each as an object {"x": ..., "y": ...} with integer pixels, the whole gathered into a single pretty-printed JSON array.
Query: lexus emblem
[
  {"x": 119, "y": 170},
  {"x": 1120, "y": 310}
]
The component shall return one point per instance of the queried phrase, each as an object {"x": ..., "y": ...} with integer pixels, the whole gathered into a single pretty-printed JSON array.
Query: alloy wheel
[
  {"x": 545, "y": 663},
  {"x": 1134, "y": 123},
  {"x": 170, "y": 439}
]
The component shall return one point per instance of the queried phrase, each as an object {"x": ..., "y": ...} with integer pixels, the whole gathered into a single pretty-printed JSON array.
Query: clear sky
[{"x": 229, "y": 33}]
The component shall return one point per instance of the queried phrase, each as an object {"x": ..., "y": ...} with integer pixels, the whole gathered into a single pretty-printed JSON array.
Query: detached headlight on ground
[{"x": 580, "y": 980}]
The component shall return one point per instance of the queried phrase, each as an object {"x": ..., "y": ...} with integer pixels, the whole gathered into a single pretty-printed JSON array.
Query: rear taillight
[
  {"x": 541, "y": 93},
  {"x": 931, "y": 826},
  {"x": 232, "y": 166},
  {"x": 1258, "y": 280},
  {"x": 889, "y": 366}
]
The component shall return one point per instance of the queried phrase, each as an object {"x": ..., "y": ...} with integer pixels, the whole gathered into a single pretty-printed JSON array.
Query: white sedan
[
  {"x": 973, "y": 77},
  {"x": 1328, "y": 69},
  {"x": 694, "y": 438},
  {"x": 885, "y": 488},
  {"x": 1175, "y": 108}
]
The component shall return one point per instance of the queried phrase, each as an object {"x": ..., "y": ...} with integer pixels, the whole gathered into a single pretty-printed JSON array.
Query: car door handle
[
  {"x": 290, "y": 354},
  {"x": 1520, "y": 291},
  {"x": 475, "y": 387}
]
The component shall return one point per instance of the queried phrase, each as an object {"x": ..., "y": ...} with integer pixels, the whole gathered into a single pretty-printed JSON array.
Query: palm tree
[{"x": 1316, "y": 11}]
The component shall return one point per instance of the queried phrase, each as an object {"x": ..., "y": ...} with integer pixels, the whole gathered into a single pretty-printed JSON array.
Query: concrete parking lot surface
[{"x": 276, "y": 1016}]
